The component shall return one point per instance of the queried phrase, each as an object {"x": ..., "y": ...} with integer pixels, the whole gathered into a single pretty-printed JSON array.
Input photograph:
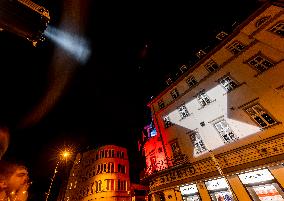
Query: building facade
[
  {"x": 101, "y": 174},
  {"x": 220, "y": 133}
]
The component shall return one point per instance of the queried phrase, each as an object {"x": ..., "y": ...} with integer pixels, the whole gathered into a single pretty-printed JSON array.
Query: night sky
[{"x": 134, "y": 46}]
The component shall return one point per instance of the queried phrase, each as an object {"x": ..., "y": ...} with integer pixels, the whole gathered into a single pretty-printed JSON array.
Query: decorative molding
[{"x": 263, "y": 152}]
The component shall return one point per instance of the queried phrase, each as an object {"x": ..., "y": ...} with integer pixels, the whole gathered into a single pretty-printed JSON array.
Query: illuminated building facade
[
  {"x": 220, "y": 133},
  {"x": 24, "y": 18},
  {"x": 101, "y": 174}
]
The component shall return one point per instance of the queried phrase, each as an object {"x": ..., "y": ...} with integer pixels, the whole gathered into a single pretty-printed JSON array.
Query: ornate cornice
[{"x": 260, "y": 153}]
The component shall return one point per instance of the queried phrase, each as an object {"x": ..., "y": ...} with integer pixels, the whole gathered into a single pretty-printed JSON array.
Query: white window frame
[
  {"x": 183, "y": 112},
  {"x": 256, "y": 111},
  {"x": 236, "y": 47},
  {"x": 197, "y": 141},
  {"x": 259, "y": 62},
  {"x": 203, "y": 99},
  {"x": 225, "y": 131},
  {"x": 211, "y": 66},
  {"x": 228, "y": 83},
  {"x": 174, "y": 93},
  {"x": 191, "y": 81},
  {"x": 167, "y": 122}
]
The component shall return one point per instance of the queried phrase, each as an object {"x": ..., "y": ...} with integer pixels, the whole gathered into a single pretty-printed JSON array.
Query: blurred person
[
  {"x": 4, "y": 140},
  {"x": 14, "y": 182}
]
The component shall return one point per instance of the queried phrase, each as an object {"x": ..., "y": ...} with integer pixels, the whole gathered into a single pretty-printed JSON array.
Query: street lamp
[{"x": 64, "y": 155}]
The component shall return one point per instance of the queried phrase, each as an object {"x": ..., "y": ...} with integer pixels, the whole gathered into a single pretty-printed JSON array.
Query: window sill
[
  {"x": 206, "y": 104},
  {"x": 270, "y": 126}
]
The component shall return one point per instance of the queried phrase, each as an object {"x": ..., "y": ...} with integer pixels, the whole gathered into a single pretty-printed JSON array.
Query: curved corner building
[{"x": 101, "y": 174}]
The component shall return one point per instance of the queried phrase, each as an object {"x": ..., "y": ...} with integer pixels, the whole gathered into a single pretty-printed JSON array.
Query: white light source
[{"x": 76, "y": 46}]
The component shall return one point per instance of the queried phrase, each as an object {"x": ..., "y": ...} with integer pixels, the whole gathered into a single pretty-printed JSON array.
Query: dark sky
[{"x": 103, "y": 101}]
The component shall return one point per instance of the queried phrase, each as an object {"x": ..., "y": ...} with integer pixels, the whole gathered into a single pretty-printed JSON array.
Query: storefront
[
  {"x": 219, "y": 190},
  {"x": 189, "y": 192},
  {"x": 262, "y": 186}
]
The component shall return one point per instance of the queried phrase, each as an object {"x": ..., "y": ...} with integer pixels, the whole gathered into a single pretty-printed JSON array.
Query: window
[
  {"x": 161, "y": 104},
  {"x": 236, "y": 47},
  {"x": 260, "y": 115},
  {"x": 260, "y": 62},
  {"x": 191, "y": 81},
  {"x": 110, "y": 184},
  {"x": 121, "y": 185},
  {"x": 169, "y": 81},
  {"x": 120, "y": 154},
  {"x": 228, "y": 83},
  {"x": 110, "y": 167},
  {"x": 167, "y": 122},
  {"x": 200, "y": 53},
  {"x": 211, "y": 66},
  {"x": 261, "y": 21},
  {"x": 203, "y": 99},
  {"x": 278, "y": 28},
  {"x": 121, "y": 168},
  {"x": 199, "y": 146},
  {"x": 175, "y": 93},
  {"x": 221, "y": 35},
  {"x": 225, "y": 131},
  {"x": 183, "y": 112},
  {"x": 175, "y": 148},
  {"x": 183, "y": 68}
]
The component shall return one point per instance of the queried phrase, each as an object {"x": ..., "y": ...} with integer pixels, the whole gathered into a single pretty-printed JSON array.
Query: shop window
[
  {"x": 199, "y": 146},
  {"x": 211, "y": 66},
  {"x": 189, "y": 192},
  {"x": 260, "y": 62},
  {"x": 191, "y": 81},
  {"x": 261, "y": 185},
  {"x": 161, "y": 104},
  {"x": 260, "y": 116},
  {"x": 228, "y": 83},
  {"x": 174, "y": 93},
  {"x": 183, "y": 112},
  {"x": 203, "y": 99},
  {"x": 219, "y": 190},
  {"x": 167, "y": 122},
  {"x": 236, "y": 47},
  {"x": 278, "y": 29},
  {"x": 225, "y": 131}
]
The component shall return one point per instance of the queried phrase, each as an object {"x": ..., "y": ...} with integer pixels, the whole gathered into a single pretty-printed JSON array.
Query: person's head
[
  {"x": 13, "y": 177},
  {"x": 4, "y": 140}
]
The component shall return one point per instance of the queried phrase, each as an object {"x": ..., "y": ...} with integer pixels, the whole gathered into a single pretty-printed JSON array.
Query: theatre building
[
  {"x": 219, "y": 125},
  {"x": 100, "y": 174}
]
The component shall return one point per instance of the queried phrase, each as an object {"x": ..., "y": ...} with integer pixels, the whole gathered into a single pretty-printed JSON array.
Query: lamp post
[{"x": 63, "y": 156}]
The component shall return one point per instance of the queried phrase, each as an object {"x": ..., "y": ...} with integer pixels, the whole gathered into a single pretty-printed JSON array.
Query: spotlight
[{"x": 24, "y": 18}]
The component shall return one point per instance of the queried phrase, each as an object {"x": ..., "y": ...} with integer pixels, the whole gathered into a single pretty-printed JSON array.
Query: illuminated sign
[
  {"x": 256, "y": 176},
  {"x": 188, "y": 189},
  {"x": 216, "y": 184}
]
